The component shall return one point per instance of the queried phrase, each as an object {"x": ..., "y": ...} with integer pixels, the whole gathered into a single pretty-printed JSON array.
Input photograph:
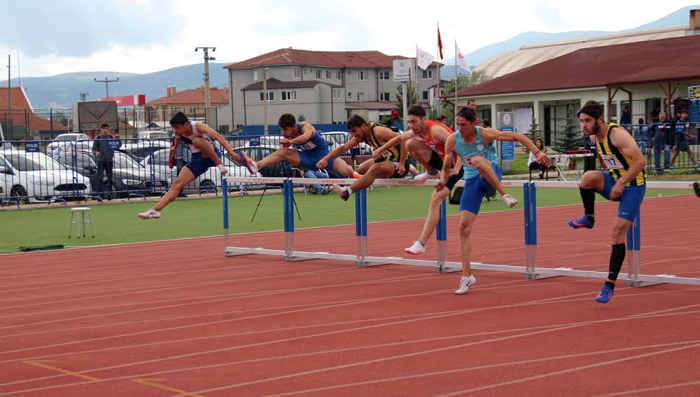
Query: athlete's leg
[
  {"x": 433, "y": 217},
  {"x": 421, "y": 152},
  {"x": 207, "y": 150},
  {"x": 291, "y": 155},
  {"x": 342, "y": 168},
  {"x": 486, "y": 172},
  {"x": 384, "y": 169}
]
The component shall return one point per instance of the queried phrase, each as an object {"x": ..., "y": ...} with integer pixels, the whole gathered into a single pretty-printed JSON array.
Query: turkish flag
[{"x": 440, "y": 43}]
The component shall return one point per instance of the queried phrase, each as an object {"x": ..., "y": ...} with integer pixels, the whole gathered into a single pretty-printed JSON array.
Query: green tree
[
  {"x": 463, "y": 81},
  {"x": 571, "y": 139},
  {"x": 535, "y": 130},
  {"x": 301, "y": 117},
  {"x": 411, "y": 98}
]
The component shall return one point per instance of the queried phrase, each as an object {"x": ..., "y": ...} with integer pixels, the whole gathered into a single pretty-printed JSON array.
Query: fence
[{"x": 668, "y": 146}]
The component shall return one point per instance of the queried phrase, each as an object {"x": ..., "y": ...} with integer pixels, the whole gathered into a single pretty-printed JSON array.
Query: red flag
[{"x": 440, "y": 43}]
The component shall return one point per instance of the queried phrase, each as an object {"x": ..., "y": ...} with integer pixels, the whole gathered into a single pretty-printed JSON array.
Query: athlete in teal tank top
[{"x": 467, "y": 151}]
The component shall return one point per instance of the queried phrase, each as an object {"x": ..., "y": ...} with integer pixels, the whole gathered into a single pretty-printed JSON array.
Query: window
[
  {"x": 361, "y": 75},
  {"x": 349, "y": 95},
  {"x": 297, "y": 73},
  {"x": 425, "y": 95},
  {"x": 328, "y": 74},
  {"x": 255, "y": 75},
  {"x": 289, "y": 95},
  {"x": 337, "y": 94},
  {"x": 384, "y": 75},
  {"x": 384, "y": 96},
  {"x": 318, "y": 74},
  {"x": 337, "y": 75},
  {"x": 360, "y": 96},
  {"x": 270, "y": 96},
  {"x": 428, "y": 74}
]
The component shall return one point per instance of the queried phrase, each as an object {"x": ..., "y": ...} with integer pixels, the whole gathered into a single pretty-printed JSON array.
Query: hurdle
[{"x": 530, "y": 271}]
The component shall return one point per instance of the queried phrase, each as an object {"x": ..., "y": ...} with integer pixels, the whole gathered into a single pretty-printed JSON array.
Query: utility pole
[
  {"x": 83, "y": 96},
  {"x": 207, "y": 58},
  {"x": 265, "y": 96},
  {"x": 8, "y": 119},
  {"x": 107, "y": 81}
]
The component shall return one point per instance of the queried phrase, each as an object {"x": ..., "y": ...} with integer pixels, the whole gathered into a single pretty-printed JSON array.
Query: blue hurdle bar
[
  {"x": 634, "y": 243},
  {"x": 288, "y": 203},
  {"x": 441, "y": 237},
  {"x": 224, "y": 185}
]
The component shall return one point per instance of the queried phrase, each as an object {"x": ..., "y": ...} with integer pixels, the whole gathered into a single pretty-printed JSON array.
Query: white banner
[
  {"x": 402, "y": 70},
  {"x": 423, "y": 59}
]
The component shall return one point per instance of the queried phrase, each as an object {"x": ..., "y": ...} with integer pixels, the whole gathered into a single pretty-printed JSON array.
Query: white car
[
  {"x": 339, "y": 138},
  {"x": 154, "y": 135},
  {"x": 67, "y": 142},
  {"x": 35, "y": 177},
  {"x": 209, "y": 181}
]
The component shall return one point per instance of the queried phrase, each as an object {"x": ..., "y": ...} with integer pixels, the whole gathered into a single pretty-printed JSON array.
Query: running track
[{"x": 179, "y": 319}]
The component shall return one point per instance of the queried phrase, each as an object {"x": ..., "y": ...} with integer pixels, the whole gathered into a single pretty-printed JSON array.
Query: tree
[
  {"x": 535, "y": 131},
  {"x": 411, "y": 98},
  {"x": 301, "y": 118},
  {"x": 571, "y": 139},
  {"x": 463, "y": 81}
]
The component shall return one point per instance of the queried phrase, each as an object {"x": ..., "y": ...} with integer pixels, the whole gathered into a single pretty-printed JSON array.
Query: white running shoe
[
  {"x": 464, "y": 284},
  {"x": 416, "y": 249},
  {"x": 223, "y": 170},
  {"x": 510, "y": 200},
  {"x": 425, "y": 176},
  {"x": 342, "y": 191},
  {"x": 150, "y": 214}
]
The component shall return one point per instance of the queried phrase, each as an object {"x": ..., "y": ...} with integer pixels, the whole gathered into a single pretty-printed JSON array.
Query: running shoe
[
  {"x": 150, "y": 214},
  {"x": 416, "y": 249},
  {"x": 222, "y": 170},
  {"x": 425, "y": 176},
  {"x": 510, "y": 200},
  {"x": 248, "y": 162},
  {"x": 343, "y": 192},
  {"x": 464, "y": 284},
  {"x": 583, "y": 221},
  {"x": 355, "y": 175},
  {"x": 605, "y": 294}
]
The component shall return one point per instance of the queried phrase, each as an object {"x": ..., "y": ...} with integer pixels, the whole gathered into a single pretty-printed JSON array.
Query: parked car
[
  {"x": 154, "y": 135},
  {"x": 142, "y": 148},
  {"x": 75, "y": 141},
  {"x": 129, "y": 176},
  {"x": 36, "y": 176},
  {"x": 209, "y": 181},
  {"x": 339, "y": 138}
]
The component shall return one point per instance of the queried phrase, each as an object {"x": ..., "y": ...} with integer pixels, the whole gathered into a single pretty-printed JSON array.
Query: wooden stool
[{"x": 77, "y": 217}]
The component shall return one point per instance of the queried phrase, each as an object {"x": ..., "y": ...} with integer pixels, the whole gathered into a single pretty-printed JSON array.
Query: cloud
[{"x": 77, "y": 28}]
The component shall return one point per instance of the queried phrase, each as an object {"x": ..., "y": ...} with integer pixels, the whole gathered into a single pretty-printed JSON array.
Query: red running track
[{"x": 179, "y": 319}]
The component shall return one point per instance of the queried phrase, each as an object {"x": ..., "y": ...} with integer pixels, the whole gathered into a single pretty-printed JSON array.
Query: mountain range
[{"x": 63, "y": 90}]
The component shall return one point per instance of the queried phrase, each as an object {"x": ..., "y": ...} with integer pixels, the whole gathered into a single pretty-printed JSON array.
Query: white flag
[
  {"x": 462, "y": 60},
  {"x": 423, "y": 59}
]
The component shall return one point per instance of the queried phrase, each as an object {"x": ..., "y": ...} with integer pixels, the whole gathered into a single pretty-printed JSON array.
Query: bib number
[{"x": 611, "y": 162}]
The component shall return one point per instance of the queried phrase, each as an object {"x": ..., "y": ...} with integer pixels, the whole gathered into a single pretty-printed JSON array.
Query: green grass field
[{"x": 118, "y": 223}]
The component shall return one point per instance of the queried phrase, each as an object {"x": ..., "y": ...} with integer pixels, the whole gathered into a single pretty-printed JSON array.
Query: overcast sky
[{"x": 141, "y": 36}]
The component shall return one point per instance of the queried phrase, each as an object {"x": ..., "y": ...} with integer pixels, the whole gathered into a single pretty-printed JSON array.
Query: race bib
[
  {"x": 611, "y": 162},
  {"x": 467, "y": 160},
  {"x": 306, "y": 146}
]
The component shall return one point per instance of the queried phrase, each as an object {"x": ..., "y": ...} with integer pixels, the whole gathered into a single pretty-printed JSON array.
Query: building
[
  {"x": 323, "y": 86},
  {"x": 191, "y": 102},
  {"x": 650, "y": 76},
  {"x": 22, "y": 122}
]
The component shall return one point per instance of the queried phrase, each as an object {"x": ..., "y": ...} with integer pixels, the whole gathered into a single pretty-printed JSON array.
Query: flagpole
[
  {"x": 454, "y": 111},
  {"x": 437, "y": 89}
]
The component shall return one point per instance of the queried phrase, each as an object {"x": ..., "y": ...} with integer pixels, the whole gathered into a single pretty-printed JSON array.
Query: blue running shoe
[
  {"x": 605, "y": 294},
  {"x": 583, "y": 221}
]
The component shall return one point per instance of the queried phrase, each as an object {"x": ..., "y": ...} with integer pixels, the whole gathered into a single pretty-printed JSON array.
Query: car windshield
[
  {"x": 122, "y": 160},
  {"x": 67, "y": 138},
  {"x": 34, "y": 162}
]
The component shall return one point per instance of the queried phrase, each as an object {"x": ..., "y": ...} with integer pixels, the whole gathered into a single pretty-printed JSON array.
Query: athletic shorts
[
  {"x": 199, "y": 164},
  {"x": 309, "y": 158},
  {"x": 474, "y": 191},
  {"x": 630, "y": 201},
  {"x": 436, "y": 162}
]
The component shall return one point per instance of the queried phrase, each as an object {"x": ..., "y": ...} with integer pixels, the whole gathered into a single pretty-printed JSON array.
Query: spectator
[
  {"x": 626, "y": 117},
  {"x": 485, "y": 123},
  {"x": 532, "y": 160},
  {"x": 317, "y": 189},
  {"x": 641, "y": 135},
  {"x": 682, "y": 136},
  {"x": 662, "y": 138},
  {"x": 104, "y": 152},
  {"x": 471, "y": 104}
]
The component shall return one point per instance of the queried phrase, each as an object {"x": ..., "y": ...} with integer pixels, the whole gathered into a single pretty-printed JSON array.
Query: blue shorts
[
  {"x": 630, "y": 201},
  {"x": 309, "y": 158},
  {"x": 474, "y": 191},
  {"x": 199, "y": 164}
]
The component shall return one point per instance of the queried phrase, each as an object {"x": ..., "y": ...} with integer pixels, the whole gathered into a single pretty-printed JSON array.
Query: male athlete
[
  {"x": 624, "y": 181},
  {"x": 198, "y": 136},
  {"x": 476, "y": 148},
  {"x": 309, "y": 148},
  {"x": 392, "y": 164}
]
